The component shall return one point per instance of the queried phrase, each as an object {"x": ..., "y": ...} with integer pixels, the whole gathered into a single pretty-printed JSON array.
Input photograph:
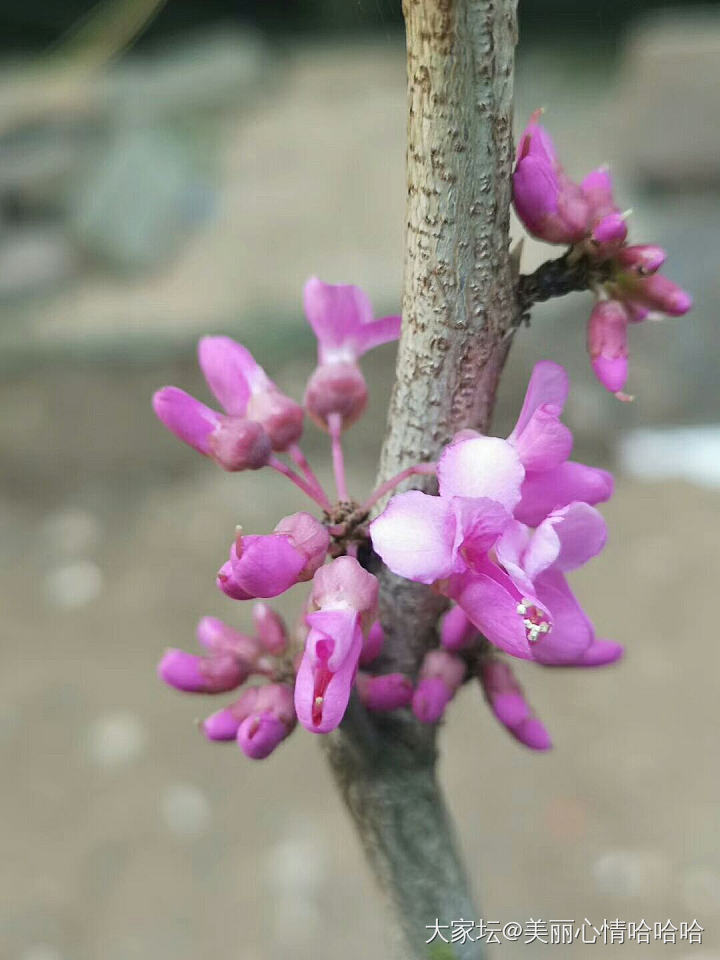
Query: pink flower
[
  {"x": 441, "y": 675},
  {"x": 523, "y": 604},
  {"x": 243, "y": 389},
  {"x": 509, "y": 706},
  {"x": 372, "y": 644},
  {"x": 234, "y": 443},
  {"x": 268, "y": 565},
  {"x": 343, "y": 605},
  {"x": 342, "y": 318},
  {"x": 483, "y": 482}
]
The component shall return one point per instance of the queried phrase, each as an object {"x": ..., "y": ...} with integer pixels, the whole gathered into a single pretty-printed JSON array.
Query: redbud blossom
[
  {"x": 193, "y": 674},
  {"x": 607, "y": 344},
  {"x": 509, "y": 706}
]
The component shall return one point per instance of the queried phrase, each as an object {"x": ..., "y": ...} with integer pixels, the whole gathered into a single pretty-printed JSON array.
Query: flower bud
[
  {"x": 607, "y": 344},
  {"x": 270, "y": 628},
  {"x": 611, "y": 229},
  {"x": 259, "y": 734},
  {"x": 659, "y": 293},
  {"x": 280, "y": 417},
  {"x": 336, "y": 388},
  {"x": 387, "y": 692},
  {"x": 192, "y": 674},
  {"x": 643, "y": 259},
  {"x": 309, "y": 537},
  {"x": 441, "y": 674},
  {"x": 509, "y": 706},
  {"x": 372, "y": 644},
  {"x": 218, "y": 637},
  {"x": 456, "y": 630},
  {"x": 239, "y": 444}
]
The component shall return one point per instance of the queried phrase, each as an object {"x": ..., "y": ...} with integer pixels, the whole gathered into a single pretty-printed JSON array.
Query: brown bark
[{"x": 458, "y": 305}]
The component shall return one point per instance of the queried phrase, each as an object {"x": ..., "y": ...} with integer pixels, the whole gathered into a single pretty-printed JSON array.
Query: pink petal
[
  {"x": 481, "y": 467},
  {"x": 372, "y": 644},
  {"x": 332, "y": 635},
  {"x": 231, "y": 372},
  {"x": 490, "y": 600},
  {"x": 479, "y": 523},
  {"x": 383, "y": 330},
  {"x": 565, "y": 540},
  {"x": 572, "y": 633},
  {"x": 549, "y": 383},
  {"x": 321, "y": 697},
  {"x": 336, "y": 312},
  {"x": 600, "y": 653},
  {"x": 186, "y": 417},
  {"x": 548, "y": 490},
  {"x": 544, "y": 442},
  {"x": 535, "y": 194},
  {"x": 414, "y": 536},
  {"x": 611, "y": 228},
  {"x": 598, "y": 188}
]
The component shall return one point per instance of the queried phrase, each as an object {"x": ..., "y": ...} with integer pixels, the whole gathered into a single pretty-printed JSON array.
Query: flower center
[{"x": 534, "y": 620}]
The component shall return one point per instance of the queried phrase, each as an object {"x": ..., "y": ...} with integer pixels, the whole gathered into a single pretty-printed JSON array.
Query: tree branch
[{"x": 459, "y": 302}]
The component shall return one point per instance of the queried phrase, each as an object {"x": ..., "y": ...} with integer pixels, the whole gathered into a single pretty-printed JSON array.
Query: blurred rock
[
  {"x": 34, "y": 259},
  {"x": 140, "y": 197},
  {"x": 668, "y": 104}
]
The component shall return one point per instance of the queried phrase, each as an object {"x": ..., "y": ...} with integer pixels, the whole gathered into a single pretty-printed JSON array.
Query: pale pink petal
[
  {"x": 544, "y": 442},
  {"x": 479, "y": 523},
  {"x": 414, "y": 536},
  {"x": 186, "y": 417},
  {"x": 549, "y": 383},
  {"x": 481, "y": 467},
  {"x": 548, "y": 490},
  {"x": 383, "y": 330},
  {"x": 335, "y": 312},
  {"x": 565, "y": 540},
  {"x": 344, "y": 583}
]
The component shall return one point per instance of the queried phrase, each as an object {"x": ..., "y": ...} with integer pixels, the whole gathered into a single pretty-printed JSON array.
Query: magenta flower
[
  {"x": 268, "y": 565},
  {"x": 522, "y": 604},
  {"x": 342, "y": 319},
  {"x": 507, "y": 702},
  {"x": 483, "y": 482},
  {"x": 343, "y": 605},
  {"x": 607, "y": 343}
]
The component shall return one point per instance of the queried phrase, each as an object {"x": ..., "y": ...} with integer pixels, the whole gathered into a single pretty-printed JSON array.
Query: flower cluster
[
  {"x": 584, "y": 216},
  {"x": 309, "y": 679},
  {"x": 511, "y": 518}
]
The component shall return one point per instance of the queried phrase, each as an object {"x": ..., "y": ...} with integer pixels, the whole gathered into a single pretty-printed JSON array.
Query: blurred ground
[{"x": 125, "y": 835}]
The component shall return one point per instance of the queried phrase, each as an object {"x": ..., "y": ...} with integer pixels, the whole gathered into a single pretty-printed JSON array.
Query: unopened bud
[
  {"x": 239, "y": 444},
  {"x": 336, "y": 388}
]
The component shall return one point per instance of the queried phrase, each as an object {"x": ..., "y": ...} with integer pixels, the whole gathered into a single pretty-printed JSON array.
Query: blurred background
[{"x": 172, "y": 170}]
